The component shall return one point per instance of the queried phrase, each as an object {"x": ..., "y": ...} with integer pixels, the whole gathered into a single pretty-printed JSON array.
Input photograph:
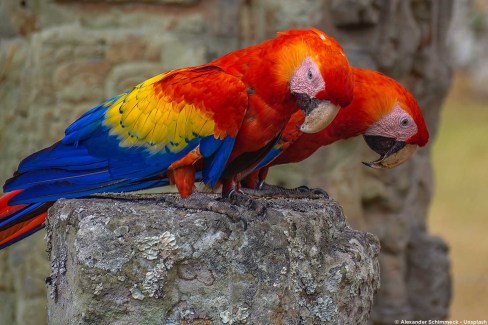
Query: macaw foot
[
  {"x": 244, "y": 205},
  {"x": 312, "y": 191},
  {"x": 267, "y": 190},
  {"x": 241, "y": 199},
  {"x": 228, "y": 206}
]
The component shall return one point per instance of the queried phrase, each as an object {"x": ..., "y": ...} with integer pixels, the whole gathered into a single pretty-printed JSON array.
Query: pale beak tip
[
  {"x": 367, "y": 164},
  {"x": 374, "y": 164},
  {"x": 319, "y": 118}
]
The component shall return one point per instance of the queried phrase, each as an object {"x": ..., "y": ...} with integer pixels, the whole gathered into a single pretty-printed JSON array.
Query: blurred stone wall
[
  {"x": 468, "y": 43},
  {"x": 58, "y": 58}
]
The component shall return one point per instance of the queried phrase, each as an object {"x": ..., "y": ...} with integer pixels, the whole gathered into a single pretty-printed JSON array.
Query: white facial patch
[
  {"x": 397, "y": 124},
  {"x": 307, "y": 79}
]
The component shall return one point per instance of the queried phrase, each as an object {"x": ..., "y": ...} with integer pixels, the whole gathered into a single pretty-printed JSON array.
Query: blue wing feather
[
  {"x": 270, "y": 156},
  {"x": 214, "y": 166},
  {"x": 85, "y": 126},
  {"x": 209, "y": 145}
]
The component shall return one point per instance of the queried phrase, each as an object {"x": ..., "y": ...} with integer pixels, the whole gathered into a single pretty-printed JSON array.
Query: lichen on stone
[
  {"x": 98, "y": 289},
  {"x": 161, "y": 250},
  {"x": 153, "y": 247},
  {"x": 236, "y": 315},
  {"x": 153, "y": 280},
  {"x": 324, "y": 309},
  {"x": 136, "y": 293}
]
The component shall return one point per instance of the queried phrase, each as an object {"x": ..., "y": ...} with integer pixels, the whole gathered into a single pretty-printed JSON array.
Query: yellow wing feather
[
  {"x": 164, "y": 125},
  {"x": 161, "y": 119}
]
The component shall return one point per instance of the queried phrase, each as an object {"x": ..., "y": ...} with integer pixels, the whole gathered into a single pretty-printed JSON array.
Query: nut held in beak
[
  {"x": 394, "y": 159},
  {"x": 319, "y": 117}
]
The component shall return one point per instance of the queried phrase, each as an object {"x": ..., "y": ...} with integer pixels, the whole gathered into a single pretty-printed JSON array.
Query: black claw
[
  {"x": 234, "y": 193},
  {"x": 303, "y": 189},
  {"x": 320, "y": 191},
  {"x": 231, "y": 193},
  {"x": 237, "y": 197},
  {"x": 316, "y": 191},
  {"x": 244, "y": 223}
]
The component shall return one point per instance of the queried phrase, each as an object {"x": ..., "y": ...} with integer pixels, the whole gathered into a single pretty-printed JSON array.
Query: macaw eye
[
  {"x": 404, "y": 122},
  {"x": 309, "y": 75}
]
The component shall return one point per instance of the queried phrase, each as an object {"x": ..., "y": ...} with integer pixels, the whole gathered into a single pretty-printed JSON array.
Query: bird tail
[{"x": 21, "y": 220}]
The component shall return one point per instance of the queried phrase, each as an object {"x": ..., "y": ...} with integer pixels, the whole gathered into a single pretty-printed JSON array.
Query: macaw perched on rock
[
  {"x": 225, "y": 114},
  {"x": 382, "y": 110}
]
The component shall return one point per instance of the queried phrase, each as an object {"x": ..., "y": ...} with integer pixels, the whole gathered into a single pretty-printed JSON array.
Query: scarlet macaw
[
  {"x": 382, "y": 110},
  {"x": 228, "y": 112}
]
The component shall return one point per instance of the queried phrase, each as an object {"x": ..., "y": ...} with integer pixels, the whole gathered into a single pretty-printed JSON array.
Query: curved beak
[
  {"x": 392, "y": 152},
  {"x": 318, "y": 113}
]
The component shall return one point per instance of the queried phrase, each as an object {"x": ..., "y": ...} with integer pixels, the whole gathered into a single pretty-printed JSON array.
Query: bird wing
[{"x": 137, "y": 135}]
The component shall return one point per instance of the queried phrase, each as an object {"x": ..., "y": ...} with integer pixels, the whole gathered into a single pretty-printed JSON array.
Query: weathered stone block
[{"x": 156, "y": 259}]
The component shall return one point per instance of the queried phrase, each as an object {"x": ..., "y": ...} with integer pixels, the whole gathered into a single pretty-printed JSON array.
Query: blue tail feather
[
  {"x": 18, "y": 214},
  {"x": 56, "y": 190},
  {"x": 58, "y": 155},
  {"x": 47, "y": 176}
]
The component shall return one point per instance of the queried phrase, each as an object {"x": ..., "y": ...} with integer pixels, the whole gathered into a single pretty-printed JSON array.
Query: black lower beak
[
  {"x": 383, "y": 145},
  {"x": 392, "y": 152}
]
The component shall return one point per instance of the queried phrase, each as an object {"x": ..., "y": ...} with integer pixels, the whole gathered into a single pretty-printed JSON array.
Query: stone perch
[{"x": 157, "y": 259}]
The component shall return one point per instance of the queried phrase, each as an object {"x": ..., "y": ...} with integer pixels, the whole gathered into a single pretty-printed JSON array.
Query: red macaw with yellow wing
[{"x": 225, "y": 114}]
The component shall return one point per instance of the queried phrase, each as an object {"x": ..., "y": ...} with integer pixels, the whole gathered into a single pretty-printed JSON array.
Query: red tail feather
[
  {"x": 18, "y": 220},
  {"x": 21, "y": 228},
  {"x": 6, "y": 209}
]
